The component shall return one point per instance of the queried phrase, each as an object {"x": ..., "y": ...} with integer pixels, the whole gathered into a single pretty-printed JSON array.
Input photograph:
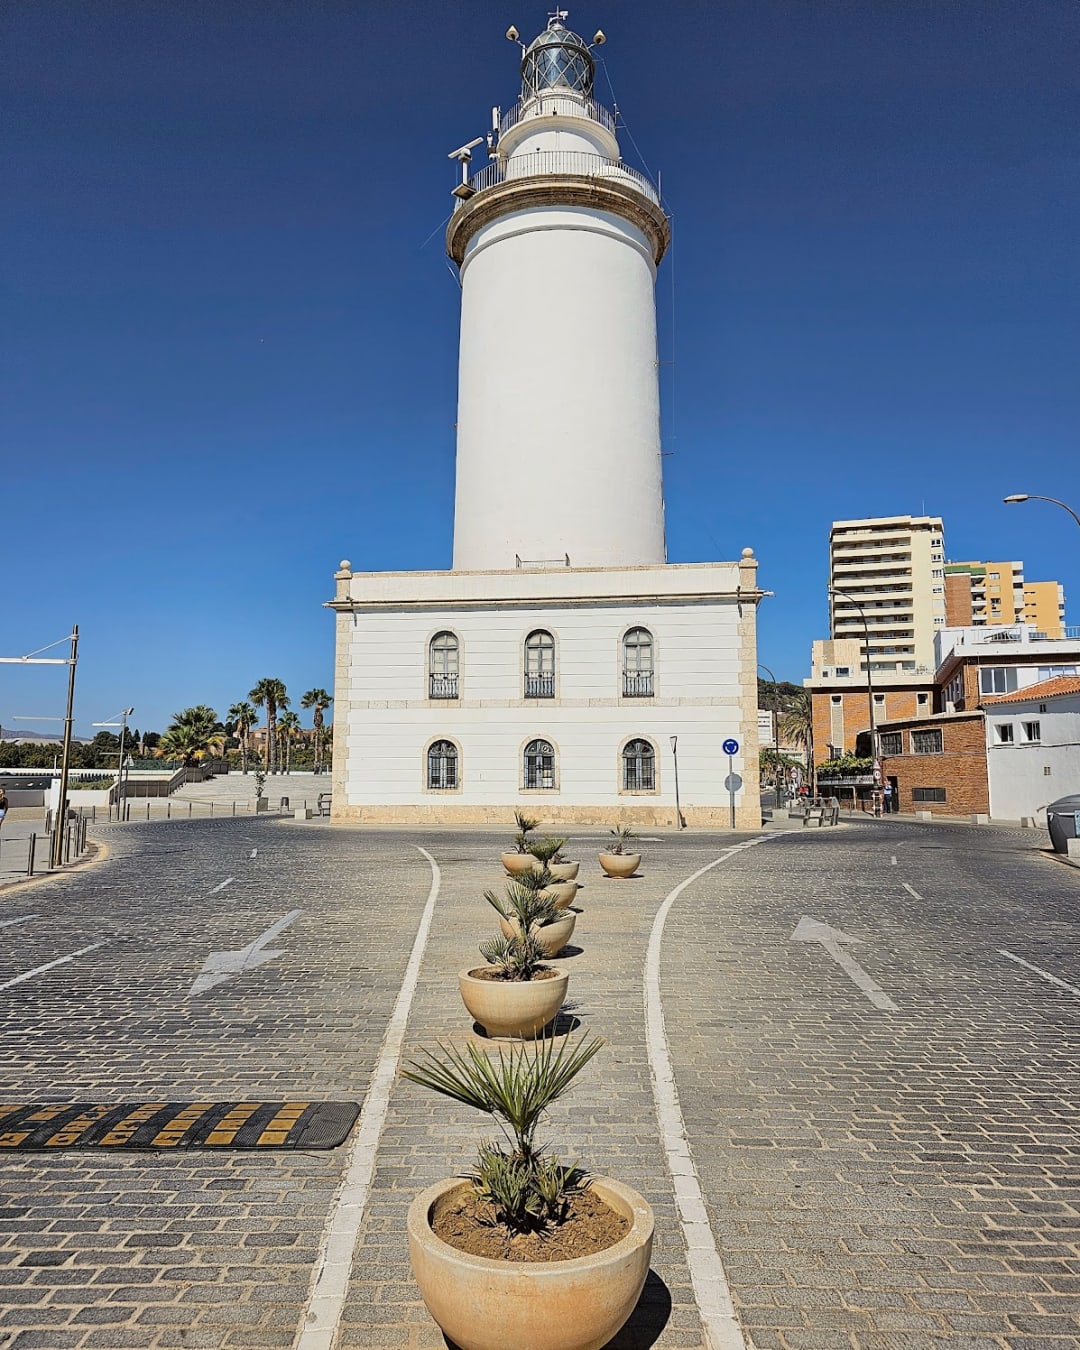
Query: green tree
[
  {"x": 289, "y": 731},
  {"x": 243, "y": 717},
  {"x": 797, "y": 727},
  {"x": 271, "y": 695},
  {"x": 194, "y": 733},
  {"x": 319, "y": 700}
]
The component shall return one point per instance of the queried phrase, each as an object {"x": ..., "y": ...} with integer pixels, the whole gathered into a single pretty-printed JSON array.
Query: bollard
[
  {"x": 168, "y": 810},
  {"x": 211, "y": 810},
  {"x": 189, "y": 806},
  {"x": 30, "y": 858},
  {"x": 234, "y": 808},
  {"x": 148, "y": 808}
]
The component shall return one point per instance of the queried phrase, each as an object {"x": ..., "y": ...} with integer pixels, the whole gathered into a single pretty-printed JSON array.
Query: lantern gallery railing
[
  {"x": 572, "y": 162},
  {"x": 564, "y": 105}
]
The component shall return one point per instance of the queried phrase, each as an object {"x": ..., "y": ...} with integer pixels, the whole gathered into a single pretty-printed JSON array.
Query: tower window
[
  {"x": 539, "y": 766},
  {"x": 442, "y": 766},
  {"x": 639, "y": 766},
  {"x": 638, "y": 664},
  {"x": 540, "y": 665},
  {"x": 443, "y": 666}
]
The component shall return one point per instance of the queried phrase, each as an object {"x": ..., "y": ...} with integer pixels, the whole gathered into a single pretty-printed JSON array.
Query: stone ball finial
[
  {"x": 747, "y": 553},
  {"x": 345, "y": 565}
]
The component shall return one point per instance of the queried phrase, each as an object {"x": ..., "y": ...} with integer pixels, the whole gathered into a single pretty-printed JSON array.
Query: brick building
[{"x": 937, "y": 763}]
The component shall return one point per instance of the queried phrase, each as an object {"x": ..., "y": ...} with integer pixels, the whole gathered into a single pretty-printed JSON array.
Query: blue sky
[{"x": 229, "y": 330}]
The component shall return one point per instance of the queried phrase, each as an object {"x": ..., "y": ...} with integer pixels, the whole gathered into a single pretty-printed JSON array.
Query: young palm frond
[
  {"x": 516, "y": 1088},
  {"x": 544, "y": 850},
  {"x": 524, "y": 823},
  {"x": 624, "y": 835}
]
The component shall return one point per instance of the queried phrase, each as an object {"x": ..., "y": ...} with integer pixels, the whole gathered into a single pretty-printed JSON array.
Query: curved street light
[
  {"x": 778, "y": 788},
  {"x": 869, "y": 679},
  {"x": 1034, "y": 497}
]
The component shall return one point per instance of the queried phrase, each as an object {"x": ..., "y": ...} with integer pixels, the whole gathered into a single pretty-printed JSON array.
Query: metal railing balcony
[
  {"x": 571, "y": 162},
  {"x": 564, "y": 105},
  {"x": 539, "y": 686},
  {"x": 637, "y": 684},
  {"x": 443, "y": 686}
]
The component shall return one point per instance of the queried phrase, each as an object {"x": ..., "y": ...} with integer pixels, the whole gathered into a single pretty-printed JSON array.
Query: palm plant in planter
[
  {"x": 516, "y": 994},
  {"x": 525, "y": 1251},
  {"x": 618, "y": 861},
  {"x": 527, "y": 903},
  {"x": 548, "y": 853},
  {"x": 520, "y": 860}
]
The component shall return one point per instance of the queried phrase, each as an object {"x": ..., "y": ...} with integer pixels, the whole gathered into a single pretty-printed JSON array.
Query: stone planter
[
  {"x": 552, "y": 937},
  {"x": 262, "y": 804},
  {"x": 620, "y": 864},
  {"x": 564, "y": 871},
  {"x": 521, "y": 1008},
  {"x": 561, "y": 894},
  {"x": 483, "y": 1304},
  {"x": 516, "y": 863}
]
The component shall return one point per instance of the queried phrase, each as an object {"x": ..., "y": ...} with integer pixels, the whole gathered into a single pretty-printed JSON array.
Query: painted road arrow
[
  {"x": 222, "y": 966},
  {"x": 813, "y": 930}
]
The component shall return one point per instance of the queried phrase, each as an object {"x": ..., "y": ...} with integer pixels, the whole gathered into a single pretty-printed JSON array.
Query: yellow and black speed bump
[{"x": 146, "y": 1125}]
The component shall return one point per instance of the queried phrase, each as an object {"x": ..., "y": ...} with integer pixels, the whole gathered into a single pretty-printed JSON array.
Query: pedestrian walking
[{"x": 3, "y": 805}]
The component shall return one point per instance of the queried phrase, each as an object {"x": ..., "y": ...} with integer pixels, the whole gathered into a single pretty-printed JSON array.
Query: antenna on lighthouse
[{"x": 463, "y": 154}]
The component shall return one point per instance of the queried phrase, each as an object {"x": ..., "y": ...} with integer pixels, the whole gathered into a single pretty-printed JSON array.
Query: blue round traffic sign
[{"x": 731, "y": 746}]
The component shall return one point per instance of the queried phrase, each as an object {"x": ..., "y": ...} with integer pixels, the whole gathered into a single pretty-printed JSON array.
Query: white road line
[
  {"x": 60, "y": 960},
  {"x": 222, "y": 884},
  {"x": 1044, "y": 973},
  {"x": 913, "y": 893},
  {"x": 323, "y": 1313},
  {"x": 23, "y": 918},
  {"x": 722, "y": 1330}
]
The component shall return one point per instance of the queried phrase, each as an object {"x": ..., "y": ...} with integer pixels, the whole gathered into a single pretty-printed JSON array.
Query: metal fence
[{"x": 27, "y": 856}]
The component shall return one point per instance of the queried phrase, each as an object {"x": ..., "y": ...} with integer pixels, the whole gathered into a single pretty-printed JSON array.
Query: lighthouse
[
  {"x": 562, "y": 666},
  {"x": 557, "y": 243}
]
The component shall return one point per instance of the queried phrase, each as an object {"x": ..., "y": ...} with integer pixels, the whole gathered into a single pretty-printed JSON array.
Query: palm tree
[
  {"x": 289, "y": 728},
  {"x": 193, "y": 734},
  {"x": 270, "y": 694},
  {"x": 317, "y": 699},
  {"x": 797, "y": 727},
  {"x": 243, "y": 717}
]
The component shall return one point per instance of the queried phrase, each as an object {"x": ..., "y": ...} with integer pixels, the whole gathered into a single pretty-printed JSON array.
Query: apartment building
[
  {"x": 995, "y": 594},
  {"x": 888, "y": 573}
]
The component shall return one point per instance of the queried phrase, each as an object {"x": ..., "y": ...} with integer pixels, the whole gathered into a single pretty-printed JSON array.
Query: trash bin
[{"x": 1062, "y": 820}]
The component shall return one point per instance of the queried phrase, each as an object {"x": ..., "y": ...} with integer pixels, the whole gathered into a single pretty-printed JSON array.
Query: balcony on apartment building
[{"x": 983, "y": 640}]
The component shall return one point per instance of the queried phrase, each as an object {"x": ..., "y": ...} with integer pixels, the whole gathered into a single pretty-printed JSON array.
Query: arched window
[
  {"x": 443, "y": 665},
  {"x": 540, "y": 665},
  {"x": 639, "y": 766},
  {"x": 442, "y": 766},
  {"x": 539, "y": 765},
  {"x": 638, "y": 664}
]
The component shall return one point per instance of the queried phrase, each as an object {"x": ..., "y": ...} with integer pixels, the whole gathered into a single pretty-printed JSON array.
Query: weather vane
[{"x": 558, "y": 17}]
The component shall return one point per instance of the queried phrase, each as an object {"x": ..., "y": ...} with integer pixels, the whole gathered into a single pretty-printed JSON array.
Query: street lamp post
[
  {"x": 1034, "y": 497},
  {"x": 869, "y": 679},
  {"x": 679, "y": 822},
  {"x": 776, "y": 731},
  {"x": 120, "y": 765}
]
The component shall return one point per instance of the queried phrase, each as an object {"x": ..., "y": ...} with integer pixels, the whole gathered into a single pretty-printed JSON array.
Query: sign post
[{"x": 733, "y": 781}]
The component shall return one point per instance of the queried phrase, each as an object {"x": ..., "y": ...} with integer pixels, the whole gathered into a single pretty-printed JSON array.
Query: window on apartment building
[
  {"x": 922, "y": 700},
  {"x": 938, "y": 572},
  {"x": 929, "y": 742},
  {"x": 1031, "y": 731},
  {"x": 993, "y": 576},
  {"x": 842, "y": 672},
  {"x": 838, "y": 698},
  {"x": 997, "y": 680},
  {"x": 1054, "y": 672},
  {"x": 892, "y": 743},
  {"x": 939, "y": 590},
  {"x": 1042, "y": 707},
  {"x": 1046, "y": 770},
  {"x": 925, "y": 794},
  {"x": 1003, "y": 733}
]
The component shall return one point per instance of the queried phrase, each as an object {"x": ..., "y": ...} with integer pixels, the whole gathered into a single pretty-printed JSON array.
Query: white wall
[
  {"x": 1019, "y": 785},
  {"x": 390, "y": 721}
]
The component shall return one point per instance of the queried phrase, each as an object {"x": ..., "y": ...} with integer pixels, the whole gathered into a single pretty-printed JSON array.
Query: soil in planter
[
  {"x": 468, "y": 1223},
  {"x": 490, "y": 973}
]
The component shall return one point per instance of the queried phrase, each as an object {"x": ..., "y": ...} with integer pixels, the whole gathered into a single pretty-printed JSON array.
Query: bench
[{"x": 323, "y": 807}]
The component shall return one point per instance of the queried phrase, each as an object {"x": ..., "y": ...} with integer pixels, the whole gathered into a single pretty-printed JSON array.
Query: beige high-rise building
[
  {"x": 992, "y": 594},
  {"x": 891, "y": 570}
]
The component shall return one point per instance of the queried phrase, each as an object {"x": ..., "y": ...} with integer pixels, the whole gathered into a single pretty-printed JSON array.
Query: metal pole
[
  {"x": 731, "y": 786},
  {"x": 30, "y": 856},
  {"x": 675, "y": 758},
  {"x": 875, "y": 758},
  {"x": 65, "y": 763},
  {"x": 777, "y": 789}
]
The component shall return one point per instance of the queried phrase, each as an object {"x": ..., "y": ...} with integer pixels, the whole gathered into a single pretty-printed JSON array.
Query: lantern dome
[{"x": 557, "y": 59}]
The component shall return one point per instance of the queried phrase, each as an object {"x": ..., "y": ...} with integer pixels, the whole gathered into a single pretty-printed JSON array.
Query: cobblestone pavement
[
  {"x": 875, "y": 1178},
  {"x": 882, "y": 1178}
]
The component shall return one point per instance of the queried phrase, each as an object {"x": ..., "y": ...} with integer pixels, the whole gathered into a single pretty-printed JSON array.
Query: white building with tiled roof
[{"x": 1033, "y": 747}]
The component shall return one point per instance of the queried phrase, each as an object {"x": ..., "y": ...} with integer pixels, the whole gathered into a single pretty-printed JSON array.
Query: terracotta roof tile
[{"x": 1060, "y": 684}]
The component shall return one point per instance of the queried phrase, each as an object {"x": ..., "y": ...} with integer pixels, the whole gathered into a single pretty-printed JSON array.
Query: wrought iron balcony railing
[
  {"x": 539, "y": 686},
  {"x": 637, "y": 684},
  {"x": 444, "y": 686}
]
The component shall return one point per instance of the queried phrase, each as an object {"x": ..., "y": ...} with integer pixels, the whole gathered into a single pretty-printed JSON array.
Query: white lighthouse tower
[
  {"x": 557, "y": 242},
  {"x": 562, "y": 666}
]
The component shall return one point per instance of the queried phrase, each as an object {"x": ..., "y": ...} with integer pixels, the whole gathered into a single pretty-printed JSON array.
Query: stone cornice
[{"x": 557, "y": 189}]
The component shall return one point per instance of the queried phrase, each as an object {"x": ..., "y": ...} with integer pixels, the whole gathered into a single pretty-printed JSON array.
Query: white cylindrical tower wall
[{"x": 558, "y": 438}]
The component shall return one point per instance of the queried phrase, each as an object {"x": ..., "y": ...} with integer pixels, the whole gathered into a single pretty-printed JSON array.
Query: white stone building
[
  {"x": 1033, "y": 747},
  {"x": 563, "y": 665}
]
